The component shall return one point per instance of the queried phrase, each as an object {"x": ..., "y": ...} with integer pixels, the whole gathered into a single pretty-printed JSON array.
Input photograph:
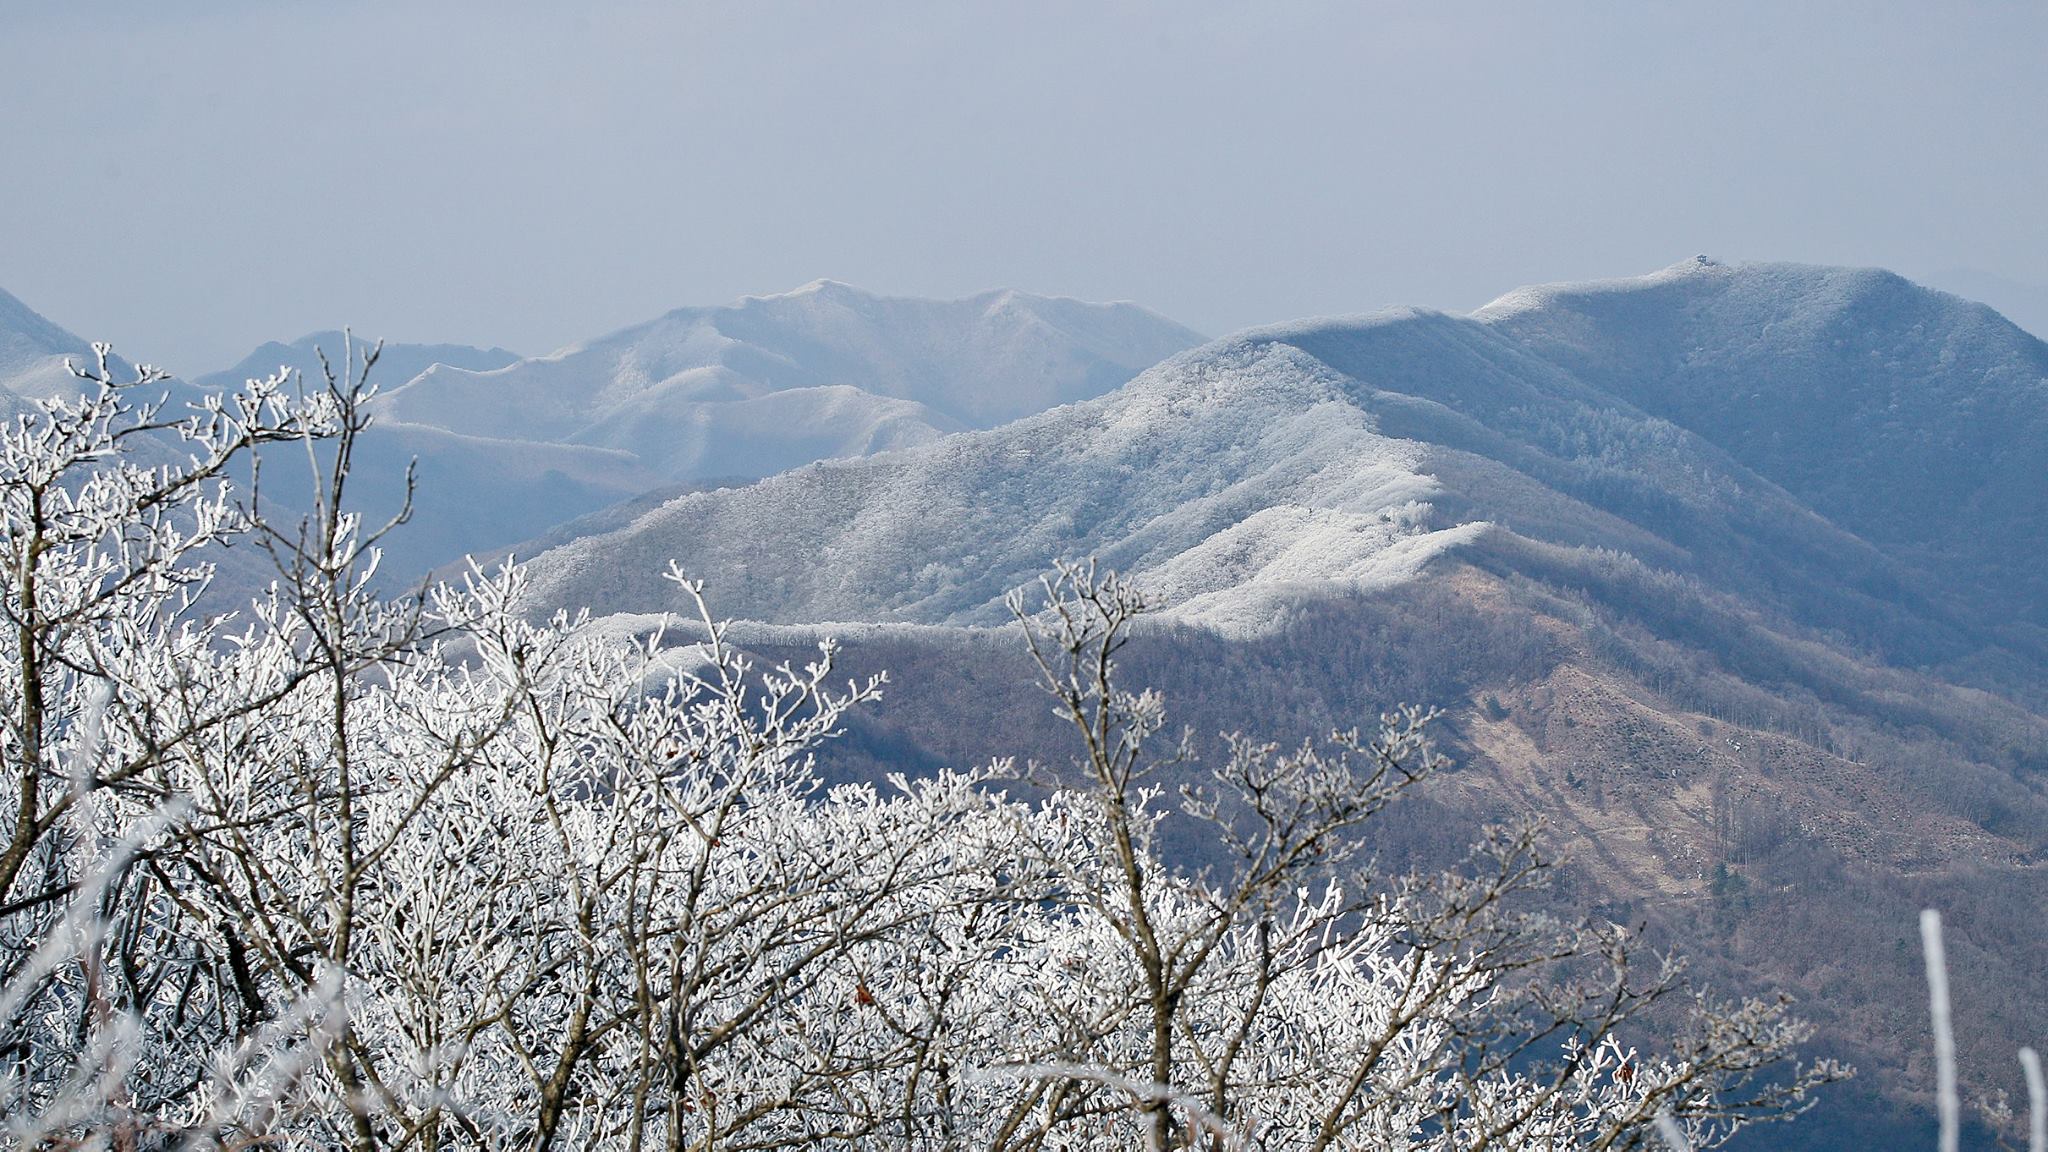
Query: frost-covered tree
[
  {"x": 1292, "y": 998},
  {"x": 332, "y": 870},
  {"x": 113, "y": 988}
]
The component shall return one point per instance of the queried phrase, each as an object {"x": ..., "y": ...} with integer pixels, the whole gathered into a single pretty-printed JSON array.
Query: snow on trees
[{"x": 329, "y": 870}]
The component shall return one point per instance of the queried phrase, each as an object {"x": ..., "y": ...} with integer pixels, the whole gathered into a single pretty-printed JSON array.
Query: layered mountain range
[
  {"x": 1732, "y": 574},
  {"x": 774, "y": 382},
  {"x": 508, "y": 447},
  {"x": 1856, "y": 452}
]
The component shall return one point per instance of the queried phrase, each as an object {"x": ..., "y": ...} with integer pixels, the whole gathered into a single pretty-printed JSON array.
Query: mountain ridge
[
  {"x": 1532, "y": 441},
  {"x": 666, "y": 401},
  {"x": 1772, "y": 699},
  {"x": 396, "y": 360},
  {"x": 1941, "y": 398}
]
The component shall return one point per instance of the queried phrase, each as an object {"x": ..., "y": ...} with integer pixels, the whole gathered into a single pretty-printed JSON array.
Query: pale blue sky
[{"x": 191, "y": 179}]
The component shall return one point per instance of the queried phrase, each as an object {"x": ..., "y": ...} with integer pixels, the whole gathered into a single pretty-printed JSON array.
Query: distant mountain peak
[
  {"x": 990, "y": 301},
  {"x": 770, "y": 382},
  {"x": 822, "y": 286},
  {"x": 1762, "y": 283},
  {"x": 397, "y": 363}
]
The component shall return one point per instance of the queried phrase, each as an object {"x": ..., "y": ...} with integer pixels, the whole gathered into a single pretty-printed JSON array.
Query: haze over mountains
[
  {"x": 1860, "y": 454},
  {"x": 739, "y": 391},
  {"x": 395, "y": 362}
]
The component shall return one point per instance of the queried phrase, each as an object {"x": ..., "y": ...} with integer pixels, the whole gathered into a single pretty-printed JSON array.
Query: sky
[{"x": 189, "y": 180}]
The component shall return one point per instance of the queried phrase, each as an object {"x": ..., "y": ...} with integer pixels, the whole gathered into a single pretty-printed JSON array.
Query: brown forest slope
[{"x": 1780, "y": 828}]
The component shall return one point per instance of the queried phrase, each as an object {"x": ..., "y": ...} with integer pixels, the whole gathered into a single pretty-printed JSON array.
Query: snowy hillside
[
  {"x": 1343, "y": 454},
  {"x": 1709, "y": 569},
  {"x": 773, "y": 382},
  {"x": 1239, "y": 462}
]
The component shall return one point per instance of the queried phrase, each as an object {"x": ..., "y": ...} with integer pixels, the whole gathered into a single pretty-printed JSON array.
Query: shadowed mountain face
[{"x": 1917, "y": 420}]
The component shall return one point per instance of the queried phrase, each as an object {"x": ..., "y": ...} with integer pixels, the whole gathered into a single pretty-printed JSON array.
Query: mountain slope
[
  {"x": 773, "y": 382},
  {"x": 1774, "y": 808},
  {"x": 1699, "y": 579},
  {"x": 509, "y": 449},
  {"x": 1915, "y": 419}
]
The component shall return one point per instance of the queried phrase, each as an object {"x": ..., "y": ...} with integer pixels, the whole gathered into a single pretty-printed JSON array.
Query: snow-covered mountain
[
  {"x": 509, "y": 449},
  {"x": 396, "y": 363},
  {"x": 474, "y": 493},
  {"x": 1711, "y": 567},
  {"x": 1912, "y": 418},
  {"x": 1841, "y": 444},
  {"x": 773, "y": 382}
]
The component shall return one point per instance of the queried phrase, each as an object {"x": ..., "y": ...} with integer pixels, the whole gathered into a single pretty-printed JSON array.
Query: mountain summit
[{"x": 1913, "y": 418}]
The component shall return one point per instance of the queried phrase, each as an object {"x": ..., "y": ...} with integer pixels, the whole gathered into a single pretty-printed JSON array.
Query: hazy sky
[{"x": 191, "y": 179}]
